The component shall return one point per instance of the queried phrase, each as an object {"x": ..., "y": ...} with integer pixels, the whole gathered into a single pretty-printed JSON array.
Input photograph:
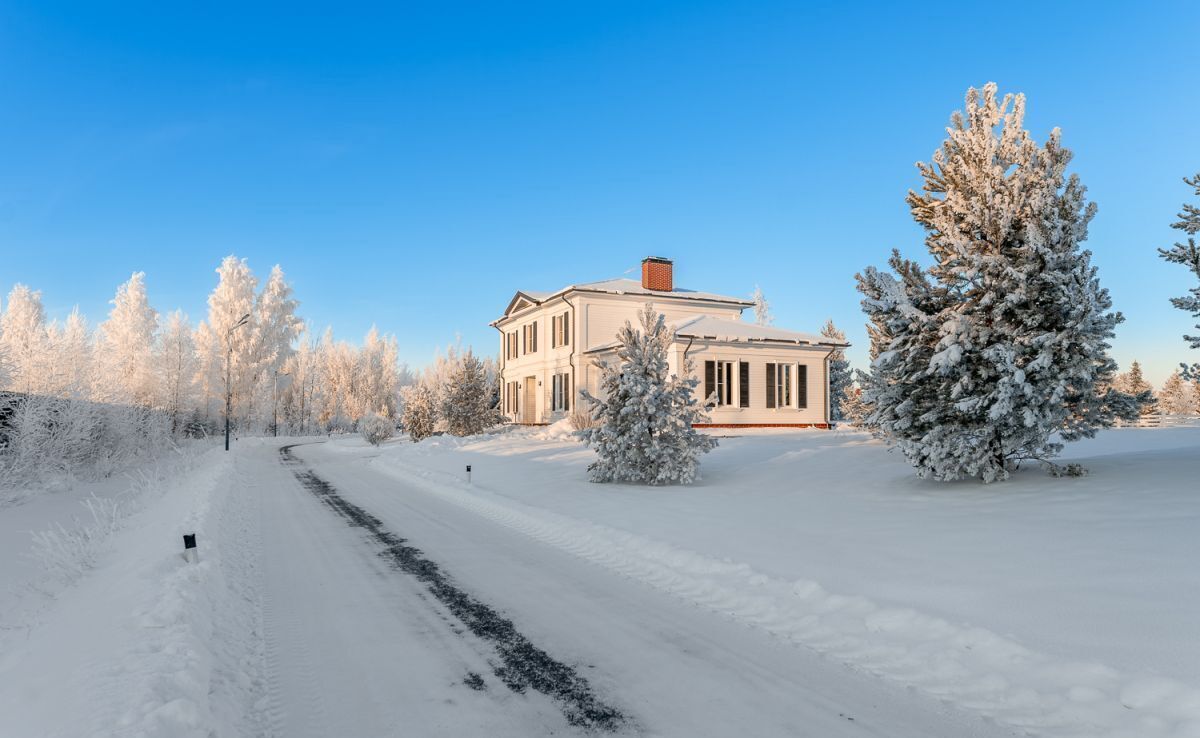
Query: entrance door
[{"x": 529, "y": 409}]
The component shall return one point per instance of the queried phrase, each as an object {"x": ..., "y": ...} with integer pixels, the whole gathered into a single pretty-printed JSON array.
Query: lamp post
[
  {"x": 228, "y": 359},
  {"x": 275, "y": 407}
]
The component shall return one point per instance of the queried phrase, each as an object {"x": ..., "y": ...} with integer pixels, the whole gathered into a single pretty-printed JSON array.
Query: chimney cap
[{"x": 657, "y": 260}]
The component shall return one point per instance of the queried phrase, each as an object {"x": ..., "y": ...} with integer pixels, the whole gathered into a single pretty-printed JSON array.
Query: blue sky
[{"x": 411, "y": 166}]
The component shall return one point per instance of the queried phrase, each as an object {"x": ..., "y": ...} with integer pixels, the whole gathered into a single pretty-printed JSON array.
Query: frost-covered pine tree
[
  {"x": 1133, "y": 382},
  {"x": 644, "y": 431},
  {"x": 762, "y": 308},
  {"x": 420, "y": 414},
  {"x": 1003, "y": 343},
  {"x": 1188, "y": 255},
  {"x": 1178, "y": 396},
  {"x": 839, "y": 374},
  {"x": 467, "y": 401}
]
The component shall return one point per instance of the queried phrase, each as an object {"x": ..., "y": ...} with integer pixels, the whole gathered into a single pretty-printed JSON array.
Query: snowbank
[
  {"x": 1058, "y": 606},
  {"x": 145, "y": 643}
]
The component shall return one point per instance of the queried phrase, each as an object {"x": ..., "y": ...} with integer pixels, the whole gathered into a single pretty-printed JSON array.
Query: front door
[{"x": 529, "y": 406}]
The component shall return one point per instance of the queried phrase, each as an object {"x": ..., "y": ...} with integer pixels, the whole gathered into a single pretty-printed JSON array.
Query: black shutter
[
  {"x": 802, "y": 386},
  {"x": 566, "y": 329},
  {"x": 710, "y": 378},
  {"x": 770, "y": 385},
  {"x": 533, "y": 337},
  {"x": 566, "y": 382},
  {"x": 744, "y": 384}
]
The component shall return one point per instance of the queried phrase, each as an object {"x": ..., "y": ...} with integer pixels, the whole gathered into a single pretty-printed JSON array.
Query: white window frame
[
  {"x": 726, "y": 372},
  {"x": 783, "y": 385}
]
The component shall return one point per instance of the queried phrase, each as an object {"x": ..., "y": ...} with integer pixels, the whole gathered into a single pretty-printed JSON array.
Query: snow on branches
[
  {"x": 1003, "y": 343},
  {"x": 644, "y": 430},
  {"x": 1188, "y": 255}
]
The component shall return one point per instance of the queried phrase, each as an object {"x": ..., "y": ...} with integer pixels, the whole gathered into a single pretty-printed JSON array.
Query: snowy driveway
[{"x": 390, "y": 612}]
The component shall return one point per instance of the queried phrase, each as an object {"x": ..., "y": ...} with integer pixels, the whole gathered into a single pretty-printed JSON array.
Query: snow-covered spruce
[
  {"x": 1188, "y": 255},
  {"x": 468, "y": 400},
  {"x": 419, "y": 412},
  {"x": 1003, "y": 342},
  {"x": 644, "y": 432},
  {"x": 840, "y": 387},
  {"x": 1179, "y": 397}
]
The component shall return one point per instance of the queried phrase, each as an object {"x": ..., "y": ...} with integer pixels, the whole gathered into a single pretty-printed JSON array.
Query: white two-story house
[{"x": 754, "y": 376}]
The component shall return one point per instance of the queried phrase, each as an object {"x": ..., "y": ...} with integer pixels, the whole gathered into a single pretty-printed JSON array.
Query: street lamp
[
  {"x": 228, "y": 359},
  {"x": 275, "y": 408}
]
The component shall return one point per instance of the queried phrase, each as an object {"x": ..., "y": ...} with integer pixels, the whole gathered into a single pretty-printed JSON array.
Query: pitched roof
[{"x": 622, "y": 286}]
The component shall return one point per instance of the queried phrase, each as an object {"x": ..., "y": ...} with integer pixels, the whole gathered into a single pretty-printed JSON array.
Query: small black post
[
  {"x": 189, "y": 548},
  {"x": 468, "y": 473}
]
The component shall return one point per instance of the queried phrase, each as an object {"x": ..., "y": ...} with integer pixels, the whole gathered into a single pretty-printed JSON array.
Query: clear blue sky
[{"x": 411, "y": 167}]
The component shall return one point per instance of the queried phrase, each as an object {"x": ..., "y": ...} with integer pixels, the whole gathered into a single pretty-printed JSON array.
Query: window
[
  {"x": 779, "y": 385},
  {"x": 718, "y": 380},
  {"x": 560, "y": 333},
  {"x": 560, "y": 392},
  {"x": 511, "y": 399},
  {"x": 511, "y": 345},
  {"x": 529, "y": 339}
]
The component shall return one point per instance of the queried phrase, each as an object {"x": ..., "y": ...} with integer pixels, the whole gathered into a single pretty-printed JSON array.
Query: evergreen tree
[
  {"x": 762, "y": 308},
  {"x": 1004, "y": 341},
  {"x": 1188, "y": 255},
  {"x": 468, "y": 403},
  {"x": 645, "y": 430},
  {"x": 839, "y": 373},
  {"x": 1178, "y": 396},
  {"x": 420, "y": 414}
]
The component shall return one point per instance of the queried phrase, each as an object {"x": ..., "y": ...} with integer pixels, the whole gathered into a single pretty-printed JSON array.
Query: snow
[
  {"x": 706, "y": 326},
  {"x": 1063, "y": 606}
]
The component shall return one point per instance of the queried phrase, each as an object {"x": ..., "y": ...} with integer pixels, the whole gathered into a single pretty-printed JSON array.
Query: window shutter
[
  {"x": 770, "y": 385},
  {"x": 802, "y": 386},
  {"x": 566, "y": 391},
  {"x": 524, "y": 339},
  {"x": 553, "y": 331},
  {"x": 744, "y": 384},
  {"x": 566, "y": 324},
  {"x": 533, "y": 340},
  {"x": 710, "y": 378}
]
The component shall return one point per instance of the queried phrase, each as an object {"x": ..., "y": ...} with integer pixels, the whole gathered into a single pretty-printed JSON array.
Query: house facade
[{"x": 754, "y": 376}]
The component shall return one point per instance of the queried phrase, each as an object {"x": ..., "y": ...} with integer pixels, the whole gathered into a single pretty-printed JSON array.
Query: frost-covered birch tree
[
  {"x": 126, "y": 346},
  {"x": 762, "y": 308},
  {"x": 178, "y": 367},
  {"x": 1188, "y": 255},
  {"x": 1003, "y": 342},
  {"x": 23, "y": 339},
  {"x": 645, "y": 416}
]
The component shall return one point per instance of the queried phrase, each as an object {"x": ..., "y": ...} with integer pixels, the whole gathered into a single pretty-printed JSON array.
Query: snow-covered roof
[
  {"x": 622, "y": 286},
  {"x": 718, "y": 329}
]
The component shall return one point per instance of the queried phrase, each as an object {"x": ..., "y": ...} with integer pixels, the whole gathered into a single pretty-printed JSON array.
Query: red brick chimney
[{"x": 657, "y": 274}]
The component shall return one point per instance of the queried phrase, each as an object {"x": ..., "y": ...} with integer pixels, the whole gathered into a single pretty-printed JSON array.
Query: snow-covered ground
[
  {"x": 1067, "y": 606},
  {"x": 809, "y": 585}
]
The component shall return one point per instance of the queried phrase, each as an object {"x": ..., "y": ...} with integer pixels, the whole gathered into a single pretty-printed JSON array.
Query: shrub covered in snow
[
  {"x": 1004, "y": 341},
  {"x": 375, "y": 429},
  {"x": 645, "y": 431}
]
